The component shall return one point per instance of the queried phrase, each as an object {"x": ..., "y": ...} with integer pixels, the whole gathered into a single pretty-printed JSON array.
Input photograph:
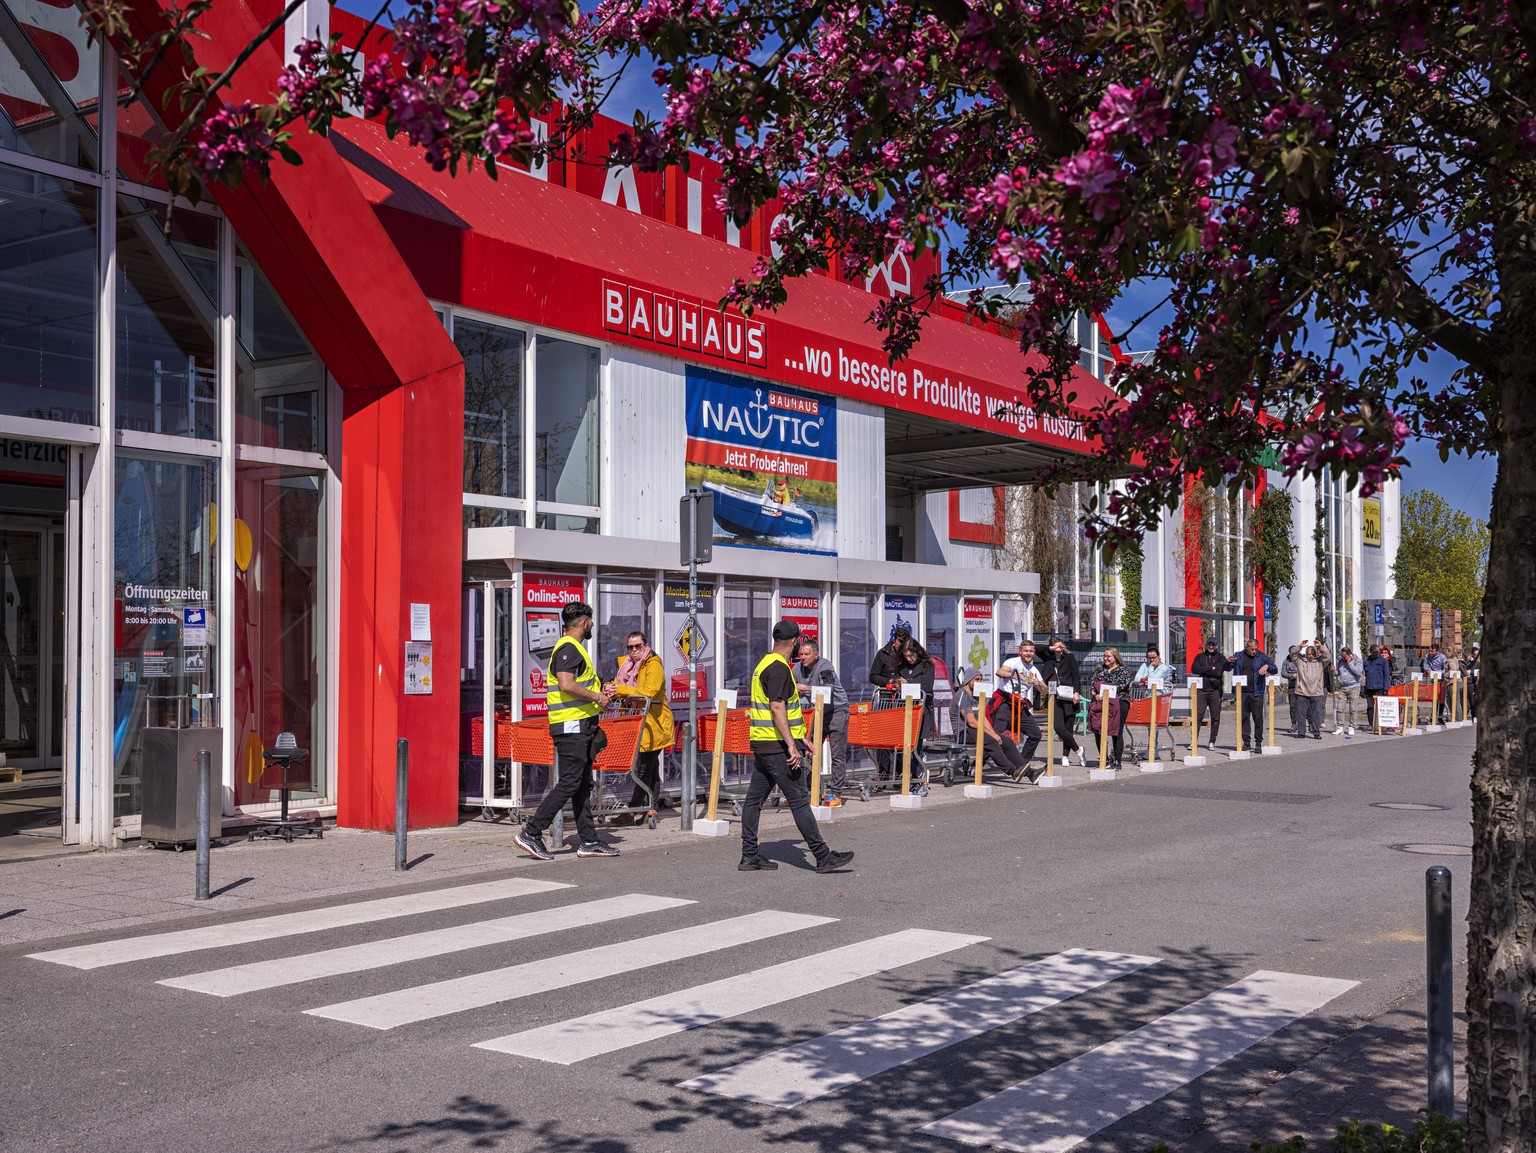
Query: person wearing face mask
[
  {"x": 917, "y": 669},
  {"x": 576, "y": 700},
  {"x": 1062, "y": 668},
  {"x": 1209, "y": 666}
]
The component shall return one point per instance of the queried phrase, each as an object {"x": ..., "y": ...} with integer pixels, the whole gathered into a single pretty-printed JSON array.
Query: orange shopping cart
[{"x": 878, "y": 725}]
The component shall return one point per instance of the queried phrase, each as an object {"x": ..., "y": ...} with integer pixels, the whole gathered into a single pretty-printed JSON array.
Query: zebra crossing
[{"x": 1049, "y": 1112}]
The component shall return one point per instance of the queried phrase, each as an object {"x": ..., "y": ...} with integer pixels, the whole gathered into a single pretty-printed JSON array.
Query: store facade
[{"x": 286, "y": 464}]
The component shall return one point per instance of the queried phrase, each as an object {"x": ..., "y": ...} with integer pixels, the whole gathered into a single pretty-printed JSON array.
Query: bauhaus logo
[{"x": 683, "y": 324}]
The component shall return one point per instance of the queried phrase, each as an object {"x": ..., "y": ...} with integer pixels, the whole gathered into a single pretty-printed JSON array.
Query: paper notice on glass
[
  {"x": 1196, "y": 683},
  {"x": 421, "y": 622},
  {"x": 418, "y": 668}
]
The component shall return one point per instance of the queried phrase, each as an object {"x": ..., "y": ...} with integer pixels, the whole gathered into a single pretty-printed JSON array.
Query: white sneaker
[
  {"x": 1066, "y": 762},
  {"x": 1082, "y": 759},
  {"x": 1338, "y": 731},
  {"x": 1350, "y": 731}
]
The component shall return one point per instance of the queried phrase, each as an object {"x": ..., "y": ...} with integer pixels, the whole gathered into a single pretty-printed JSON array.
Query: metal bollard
[
  {"x": 204, "y": 819},
  {"x": 1437, "y": 904},
  {"x": 402, "y": 771}
]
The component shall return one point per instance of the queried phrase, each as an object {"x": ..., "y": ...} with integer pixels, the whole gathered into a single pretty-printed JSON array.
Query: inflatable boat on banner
[{"x": 758, "y": 514}]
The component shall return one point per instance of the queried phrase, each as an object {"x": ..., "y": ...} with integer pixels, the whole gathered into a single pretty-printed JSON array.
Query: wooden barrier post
[
  {"x": 710, "y": 826},
  {"x": 1153, "y": 763},
  {"x": 976, "y": 789},
  {"x": 1271, "y": 749},
  {"x": 906, "y": 799},
  {"x": 817, "y": 734},
  {"x": 1412, "y": 729},
  {"x": 1434, "y": 725},
  {"x": 1107, "y": 693},
  {"x": 1240, "y": 687},
  {"x": 1194, "y": 760}
]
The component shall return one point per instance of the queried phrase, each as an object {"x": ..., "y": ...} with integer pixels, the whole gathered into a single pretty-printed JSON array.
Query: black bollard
[
  {"x": 204, "y": 819},
  {"x": 402, "y": 768},
  {"x": 1437, "y": 903}
]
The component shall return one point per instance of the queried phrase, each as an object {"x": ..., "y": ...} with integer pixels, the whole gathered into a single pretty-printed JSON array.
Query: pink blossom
[{"x": 1095, "y": 177}]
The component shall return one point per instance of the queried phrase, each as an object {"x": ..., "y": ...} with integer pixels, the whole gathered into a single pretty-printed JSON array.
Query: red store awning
[{"x": 543, "y": 254}]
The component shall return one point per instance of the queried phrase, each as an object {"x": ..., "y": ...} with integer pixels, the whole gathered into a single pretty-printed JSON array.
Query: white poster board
[{"x": 1389, "y": 712}]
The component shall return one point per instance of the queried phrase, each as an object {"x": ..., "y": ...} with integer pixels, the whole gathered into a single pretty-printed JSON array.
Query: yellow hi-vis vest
[
  {"x": 760, "y": 715},
  {"x": 564, "y": 708}
]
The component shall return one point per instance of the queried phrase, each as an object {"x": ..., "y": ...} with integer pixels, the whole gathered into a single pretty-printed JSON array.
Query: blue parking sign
[
  {"x": 1269, "y": 607},
  {"x": 1376, "y": 614}
]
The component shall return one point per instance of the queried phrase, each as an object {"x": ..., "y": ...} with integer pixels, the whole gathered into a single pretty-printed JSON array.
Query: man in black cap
[
  {"x": 1210, "y": 666},
  {"x": 779, "y": 747}
]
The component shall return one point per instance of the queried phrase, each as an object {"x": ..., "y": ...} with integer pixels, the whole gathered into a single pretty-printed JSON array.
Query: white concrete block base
[
  {"x": 1272, "y": 750},
  {"x": 979, "y": 792},
  {"x": 1101, "y": 774},
  {"x": 1239, "y": 755},
  {"x": 824, "y": 814},
  {"x": 1151, "y": 766},
  {"x": 1415, "y": 732},
  {"x": 911, "y": 801},
  {"x": 1434, "y": 728},
  {"x": 703, "y": 828},
  {"x": 1056, "y": 782},
  {"x": 1194, "y": 762}
]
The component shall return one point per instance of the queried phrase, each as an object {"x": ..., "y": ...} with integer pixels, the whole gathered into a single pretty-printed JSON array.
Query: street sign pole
[{"x": 691, "y": 745}]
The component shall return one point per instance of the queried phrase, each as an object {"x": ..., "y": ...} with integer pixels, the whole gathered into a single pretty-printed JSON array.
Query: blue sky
[{"x": 1465, "y": 483}]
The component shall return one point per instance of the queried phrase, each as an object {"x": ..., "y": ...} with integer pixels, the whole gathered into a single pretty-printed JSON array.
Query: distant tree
[{"x": 1443, "y": 556}]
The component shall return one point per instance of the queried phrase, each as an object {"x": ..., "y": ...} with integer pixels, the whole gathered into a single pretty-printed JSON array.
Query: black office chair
[{"x": 284, "y": 753}]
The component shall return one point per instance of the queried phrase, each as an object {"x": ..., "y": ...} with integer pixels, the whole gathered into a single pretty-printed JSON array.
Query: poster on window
[
  {"x": 769, "y": 456},
  {"x": 683, "y": 644},
  {"x": 805, "y": 611},
  {"x": 976, "y": 633},
  {"x": 900, "y": 613},
  {"x": 544, "y": 595}
]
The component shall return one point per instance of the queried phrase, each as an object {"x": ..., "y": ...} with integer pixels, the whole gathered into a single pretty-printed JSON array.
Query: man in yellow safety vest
[
  {"x": 576, "y": 699},
  {"x": 779, "y": 747}
]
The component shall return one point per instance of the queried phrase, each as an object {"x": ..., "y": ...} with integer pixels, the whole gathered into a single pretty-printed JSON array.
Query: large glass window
[
  {"x": 280, "y": 382},
  {"x": 493, "y": 413},
  {"x": 165, "y": 667},
  {"x": 622, "y": 607},
  {"x": 47, "y": 298},
  {"x": 567, "y": 424},
  {"x": 279, "y": 626},
  {"x": 856, "y": 640},
  {"x": 943, "y": 639},
  {"x": 167, "y": 293},
  {"x": 49, "y": 69},
  {"x": 748, "y": 634}
]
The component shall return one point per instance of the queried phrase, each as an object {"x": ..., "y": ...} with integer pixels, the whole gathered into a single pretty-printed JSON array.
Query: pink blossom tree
[{"x": 1330, "y": 192}]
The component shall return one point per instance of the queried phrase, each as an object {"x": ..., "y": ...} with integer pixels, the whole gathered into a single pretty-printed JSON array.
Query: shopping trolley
[
  {"x": 878, "y": 725},
  {"x": 532, "y": 744},
  {"x": 1138, "y": 715},
  {"x": 738, "y": 743}
]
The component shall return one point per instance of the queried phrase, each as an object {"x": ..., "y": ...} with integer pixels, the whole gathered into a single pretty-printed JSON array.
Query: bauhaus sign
[{"x": 686, "y": 325}]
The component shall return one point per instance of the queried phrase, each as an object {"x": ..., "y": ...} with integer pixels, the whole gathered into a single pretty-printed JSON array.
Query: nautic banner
[{"x": 769, "y": 456}]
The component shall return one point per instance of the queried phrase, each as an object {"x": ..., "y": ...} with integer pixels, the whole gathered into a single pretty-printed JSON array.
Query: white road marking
[
  {"x": 416, "y": 946},
  {"x": 123, "y": 950},
  {"x": 423, "y": 1002},
  {"x": 566, "y": 1042},
  {"x": 1069, "y": 1103},
  {"x": 812, "y": 1069}
]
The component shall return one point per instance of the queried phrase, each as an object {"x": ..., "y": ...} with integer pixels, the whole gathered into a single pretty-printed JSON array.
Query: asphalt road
[{"x": 1280, "y": 864}]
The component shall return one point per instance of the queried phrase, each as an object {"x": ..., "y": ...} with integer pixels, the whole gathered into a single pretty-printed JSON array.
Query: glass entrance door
[{"x": 31, "y": 643}]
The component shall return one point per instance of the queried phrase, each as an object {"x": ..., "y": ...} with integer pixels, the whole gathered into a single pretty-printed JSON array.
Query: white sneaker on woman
[{"x": 1082, "y": 759}]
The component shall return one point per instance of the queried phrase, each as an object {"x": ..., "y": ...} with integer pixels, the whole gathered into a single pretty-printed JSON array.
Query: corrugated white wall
[
  {"x": 644, "y": 439},
  {"x": 860, "y": 480},
  {"x": 933, "y": 543}
]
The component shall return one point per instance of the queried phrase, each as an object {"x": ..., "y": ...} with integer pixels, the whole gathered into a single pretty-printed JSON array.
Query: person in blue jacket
[
  {"x": 1254, "y": 665},
  {"x": 1378, "y": 681}
]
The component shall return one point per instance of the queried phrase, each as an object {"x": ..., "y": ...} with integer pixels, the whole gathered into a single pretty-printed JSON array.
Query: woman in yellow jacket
[{"x": 641, "y": 674}]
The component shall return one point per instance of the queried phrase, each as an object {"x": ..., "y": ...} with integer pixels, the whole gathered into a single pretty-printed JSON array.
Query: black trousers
[
  {"x": 1029, "y": 730},
  {"x": 648, "y": 769},
  {"x": 1065, "y": 717},
  {"x": 573, "y": 757},
  {"x": 770, "y": 770},
  {"x": 1254, "y": 719},
  {"x": 1209, "y": 700}
]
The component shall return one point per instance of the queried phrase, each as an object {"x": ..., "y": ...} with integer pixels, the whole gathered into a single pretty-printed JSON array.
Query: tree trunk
[{"x": 1501, "y": 936}]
